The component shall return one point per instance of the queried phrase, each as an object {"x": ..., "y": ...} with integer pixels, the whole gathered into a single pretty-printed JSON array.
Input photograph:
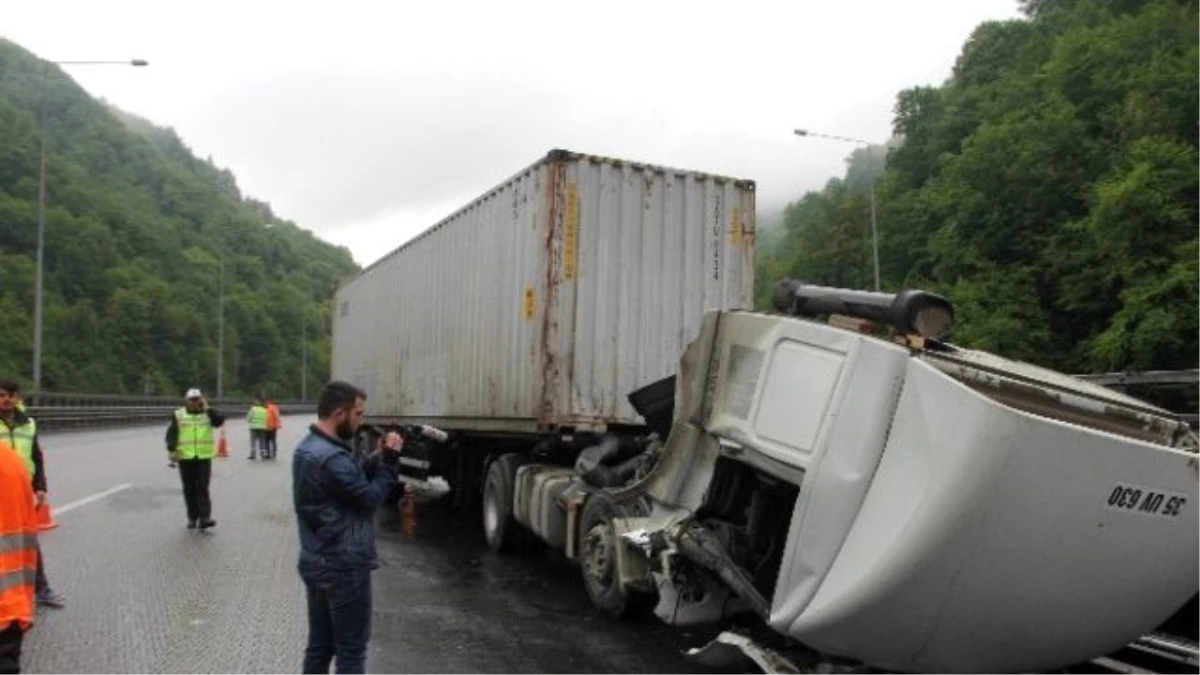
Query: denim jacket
[{"x": 335, "y": 498}]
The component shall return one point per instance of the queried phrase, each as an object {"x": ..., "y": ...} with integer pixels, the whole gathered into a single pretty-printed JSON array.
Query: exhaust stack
[{"x": 911, "y": 311}]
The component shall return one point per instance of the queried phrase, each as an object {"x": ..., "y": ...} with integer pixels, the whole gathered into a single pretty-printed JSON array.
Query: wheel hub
[
  {"x": 598, "y": 553},
  {"x": 491, "y": 513}
]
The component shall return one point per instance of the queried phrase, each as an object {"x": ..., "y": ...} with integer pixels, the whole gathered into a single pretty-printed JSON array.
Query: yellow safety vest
[
  {"x": 195, "y": 435},
  {"x": 21, "y": 439},
  {"x": 258, "y": 417}
]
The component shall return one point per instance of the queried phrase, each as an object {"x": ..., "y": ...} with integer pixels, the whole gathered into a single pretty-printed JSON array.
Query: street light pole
[
  {"x": 871, "y": 178},
  {"x": 221, "y": 329},
  {"x": 39, "y": 279},
  {"x": 874, "y": 225},
  {"x": 41, "y": 240},
  {"x": 304, "y": 354}
]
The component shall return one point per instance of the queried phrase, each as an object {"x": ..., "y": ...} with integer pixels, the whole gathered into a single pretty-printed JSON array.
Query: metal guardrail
[
  {"x": 1160, "y": 378},
  {"x": 56, "y": 411},
  {"x": 1154, "y": 379}
]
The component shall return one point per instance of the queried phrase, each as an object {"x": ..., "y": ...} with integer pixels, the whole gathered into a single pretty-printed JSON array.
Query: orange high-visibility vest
[
  {"x": 273, "y": 421},
  {"x": 18, "y": 542}
]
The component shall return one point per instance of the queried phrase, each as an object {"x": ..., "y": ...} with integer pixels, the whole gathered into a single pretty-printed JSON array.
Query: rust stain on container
[{"x": 549, "y": 335}]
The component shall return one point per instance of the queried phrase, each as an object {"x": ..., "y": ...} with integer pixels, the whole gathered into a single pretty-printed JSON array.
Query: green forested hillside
[
  {"x": 136, "y": 229},
  {"x": 1049, "y": 187}
]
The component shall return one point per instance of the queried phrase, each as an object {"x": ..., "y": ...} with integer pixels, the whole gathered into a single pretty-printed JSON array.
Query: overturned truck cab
[{"x": 880, "y": 496}]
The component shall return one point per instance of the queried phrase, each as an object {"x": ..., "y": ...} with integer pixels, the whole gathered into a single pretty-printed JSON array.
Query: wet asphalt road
[{"x": 146, "y": 595}]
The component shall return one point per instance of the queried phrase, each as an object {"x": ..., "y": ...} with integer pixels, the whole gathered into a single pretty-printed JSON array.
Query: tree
[
  {"x": 137, "y": 229},
  {"x": 1049, "y": 188}
]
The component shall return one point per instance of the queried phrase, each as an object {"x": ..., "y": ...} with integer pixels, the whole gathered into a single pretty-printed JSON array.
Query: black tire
[
  {"x": 463, "y": 480},
  {"x": 598, "y": 561},
  {"x": 503, "y": 533}
]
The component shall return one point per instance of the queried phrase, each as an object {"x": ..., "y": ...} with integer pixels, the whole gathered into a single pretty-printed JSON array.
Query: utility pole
[
  {"x": 41, "y": 242},
  {"x": 44, "y": 121},
  {"x": 221, "y": 327},
  {"x": 304, "y": 354},
  {"x": 874, "y": 224}
]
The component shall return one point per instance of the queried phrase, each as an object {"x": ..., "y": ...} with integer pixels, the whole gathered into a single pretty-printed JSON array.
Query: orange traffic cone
[
  {"x": 43, "y": 518},
  {"x": 222, "y": 445}
]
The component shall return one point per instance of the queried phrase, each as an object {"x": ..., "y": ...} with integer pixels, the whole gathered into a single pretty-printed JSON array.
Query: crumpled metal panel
[{"x": 728, "y": 652}]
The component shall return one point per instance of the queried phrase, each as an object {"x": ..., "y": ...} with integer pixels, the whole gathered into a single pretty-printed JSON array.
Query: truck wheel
[
  {"x": 502, "y": 532},
  {"x": 598, "y": 561}
]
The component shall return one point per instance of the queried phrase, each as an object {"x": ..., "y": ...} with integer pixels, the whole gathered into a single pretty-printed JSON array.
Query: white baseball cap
[{"x": 194, "y": 393}]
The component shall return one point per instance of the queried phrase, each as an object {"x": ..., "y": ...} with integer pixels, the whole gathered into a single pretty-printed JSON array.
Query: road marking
[{"x": 88, "y": 500}]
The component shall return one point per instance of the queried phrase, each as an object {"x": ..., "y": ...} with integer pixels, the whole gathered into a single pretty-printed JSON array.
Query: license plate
[{"x": 1148, "y": 501}]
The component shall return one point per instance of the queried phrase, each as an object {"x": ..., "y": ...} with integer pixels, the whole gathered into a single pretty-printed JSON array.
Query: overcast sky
[{"x": 368, "y": 121}]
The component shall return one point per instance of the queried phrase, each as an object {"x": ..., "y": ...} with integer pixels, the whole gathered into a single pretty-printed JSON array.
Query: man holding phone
[
  {"x": 191, "y": 443},
  {"x": 335, "y": 495}
]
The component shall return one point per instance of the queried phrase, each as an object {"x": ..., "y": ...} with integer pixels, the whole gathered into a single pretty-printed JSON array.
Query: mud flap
[{"x": 729, "y": 653}]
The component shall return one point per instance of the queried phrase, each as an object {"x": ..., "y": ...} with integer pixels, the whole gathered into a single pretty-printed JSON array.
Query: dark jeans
[
  {"x": 195, "y": 474},
  {"x": 339, "y": 618},
  {"x": 10, "y": 648},
  {"x": 258, "y": 441},
  {"x": 272, "y": 445}
]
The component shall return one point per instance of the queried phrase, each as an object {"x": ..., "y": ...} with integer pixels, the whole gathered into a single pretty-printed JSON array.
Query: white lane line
[{"x": 88, "y": 500}]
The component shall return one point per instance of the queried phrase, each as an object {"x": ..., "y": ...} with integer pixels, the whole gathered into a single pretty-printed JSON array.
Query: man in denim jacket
[{"x": 335, "y": 499}]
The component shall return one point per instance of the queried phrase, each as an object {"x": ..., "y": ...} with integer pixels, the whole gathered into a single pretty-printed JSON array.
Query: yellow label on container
[
  {"x": 571, "y": 232},
  {"x": 735, "y": 228},
  {"x": 529, "y": 303}
]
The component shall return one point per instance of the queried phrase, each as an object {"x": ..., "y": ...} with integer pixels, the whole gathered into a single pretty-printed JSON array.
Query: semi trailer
[
  {"x": 870, "y": 491},
  {"x": 524, "y": 318}
]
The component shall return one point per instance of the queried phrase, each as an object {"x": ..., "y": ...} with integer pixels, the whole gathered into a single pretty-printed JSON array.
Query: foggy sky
[{"x": 366, "y": 122}]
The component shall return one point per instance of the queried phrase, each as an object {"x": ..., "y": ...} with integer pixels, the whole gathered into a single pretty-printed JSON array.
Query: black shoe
[
  {"x": 206, "y": 523},
  {"x": 191, "y": 524},
  {"x": 48, "y": 598}
]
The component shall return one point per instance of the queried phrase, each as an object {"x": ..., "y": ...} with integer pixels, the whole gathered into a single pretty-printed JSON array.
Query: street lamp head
[{"x": 139, "y": 62}]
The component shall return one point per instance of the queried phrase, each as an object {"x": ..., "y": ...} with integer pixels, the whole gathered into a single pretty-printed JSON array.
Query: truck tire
[
  {"x": 502, "y": 531},
  {"x": 598, "y": 561},
  {"x": 463, "y": 479}
]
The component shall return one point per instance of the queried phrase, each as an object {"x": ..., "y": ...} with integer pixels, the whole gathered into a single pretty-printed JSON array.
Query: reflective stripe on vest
[
  {"x": 258, "y": 417},
  {"x": 195, "y": 435},
  {"x": 18, "y": 574},
  {"x": 21, "y": 440},
  {"x": 24, "y": 576},
  {"x": 18, "y": 542}
]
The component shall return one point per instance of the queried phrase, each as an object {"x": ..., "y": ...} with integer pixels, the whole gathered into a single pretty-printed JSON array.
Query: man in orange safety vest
[{"x": 18, "y": 557}]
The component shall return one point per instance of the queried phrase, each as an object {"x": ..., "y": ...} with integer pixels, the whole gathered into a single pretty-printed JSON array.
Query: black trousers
[
  {"x": 195, "y": 474},
  {"x": 40, "y": 583},
  {"x": 10, "y": 648}
]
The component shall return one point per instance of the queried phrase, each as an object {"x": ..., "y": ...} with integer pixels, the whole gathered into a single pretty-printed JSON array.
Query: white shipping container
[{"x": 543, "y": 303}]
